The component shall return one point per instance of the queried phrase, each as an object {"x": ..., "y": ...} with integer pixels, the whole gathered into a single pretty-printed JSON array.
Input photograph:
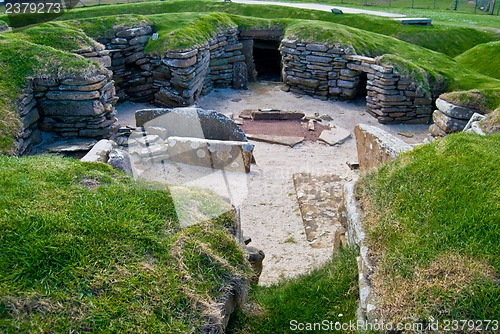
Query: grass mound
[
  {"x": 433, "y": 222},
  {"x": 85, "y": 248},
  {"x": 485, "y": 101},
  {"x": 325, "y": 296},
  {"x": 449, "y": 39},
  {"x": 483, "y": 58}
]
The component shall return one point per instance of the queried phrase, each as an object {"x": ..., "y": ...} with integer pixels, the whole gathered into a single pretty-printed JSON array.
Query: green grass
[
  {"x": 483, "y": 58},
  {"x": 474, "y": 99},
  {"x": 447, "y": 39},
  {"x": 329, "y": 294},
  {"x": 464, "y": 16},
  {"x": 433, "y": 224},
  {"x": 85, "y": 248}
]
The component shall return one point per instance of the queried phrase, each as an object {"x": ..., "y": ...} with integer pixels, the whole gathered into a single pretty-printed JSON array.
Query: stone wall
[
  {"x": 330, "y": 72},
  {"x": 69, "y": 107},
  {"x": 376, "y": 146},
  {"x": 29, "y": 134},
  {"x": 449, "y": 118},
  {"x": 185, "y": 76},
  {"x": 132, "y": 69}
]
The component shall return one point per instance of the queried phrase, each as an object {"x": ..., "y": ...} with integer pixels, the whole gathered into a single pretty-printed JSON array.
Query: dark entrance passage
[
  {"x": 361, "y": 91},
  {"x": 267, "y": 59}
]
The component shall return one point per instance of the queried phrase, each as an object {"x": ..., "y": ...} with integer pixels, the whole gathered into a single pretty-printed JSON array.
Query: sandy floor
[{"x": 269, "y": 210}]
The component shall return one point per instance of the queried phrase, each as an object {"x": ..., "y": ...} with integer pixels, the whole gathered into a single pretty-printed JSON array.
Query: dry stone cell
[
  {"x": 328, "y": 72},
  {"x": 70, "y": 107}
]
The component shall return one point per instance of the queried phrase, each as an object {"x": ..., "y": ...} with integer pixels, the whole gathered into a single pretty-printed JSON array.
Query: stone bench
[{"x": 414, "y": 21}]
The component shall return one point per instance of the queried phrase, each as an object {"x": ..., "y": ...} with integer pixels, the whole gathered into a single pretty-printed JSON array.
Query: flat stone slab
[
  {"x": 278, "y": 115},
  {"x": 335, "y": 136},
  {"x": 71, "y": 146},
  {"x": 453, "y": 110},
  {"x": 319, "y": 199},
  {"x": 422, "y": 21},
  {"x": 280, "y": 140}
]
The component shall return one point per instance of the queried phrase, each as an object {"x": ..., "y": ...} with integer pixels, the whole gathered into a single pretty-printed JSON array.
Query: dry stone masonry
[
  {"x": 330, "y": 72},
  {"x": 449, "y": 118},
  {"x": 130, "y": 65},
  {"x": 84, "y": 107},
  {"x": 69, "y": 107}
]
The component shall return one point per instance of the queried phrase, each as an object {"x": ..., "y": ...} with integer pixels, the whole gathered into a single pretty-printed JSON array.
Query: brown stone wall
[
  {"x": 327, "y": 72},
  {"x": 184, "y": 76},
  {"x": 132, "y": 68}
]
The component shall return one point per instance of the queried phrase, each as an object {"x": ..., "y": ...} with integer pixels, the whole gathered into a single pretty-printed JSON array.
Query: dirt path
[
  {"x": 325, "y": 8},
  {"x": 270, "y": 213}
]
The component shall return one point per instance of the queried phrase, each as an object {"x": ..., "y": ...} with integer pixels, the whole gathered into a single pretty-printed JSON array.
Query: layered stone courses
[
  {"x": 69, "y": 107},
  {"x": 83, "y": 107},
  {"x": 330, "y": 72}
]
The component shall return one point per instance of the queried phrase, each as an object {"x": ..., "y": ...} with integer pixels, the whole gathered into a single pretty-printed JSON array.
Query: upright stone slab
[{"x": 191, "y": 122}]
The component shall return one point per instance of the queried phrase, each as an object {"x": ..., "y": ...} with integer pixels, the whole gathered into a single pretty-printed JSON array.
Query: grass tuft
[
  {"x": 329, "y": 293},
  {"x": 85, "y": 248}
]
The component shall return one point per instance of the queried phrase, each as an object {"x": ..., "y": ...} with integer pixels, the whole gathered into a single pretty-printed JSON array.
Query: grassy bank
[
  {"x": 326, "y": 295},
  {"x": 483, "y": 58},
  {"x": 86, "y": 249},
  {"x": 433, "y": 227}
]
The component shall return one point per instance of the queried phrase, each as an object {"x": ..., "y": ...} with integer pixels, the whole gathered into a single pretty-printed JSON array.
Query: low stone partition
[
  {"x": 330, "y": 72},
  {"x": 376, "y": 146},
  {"x": 192, "y": 136}
]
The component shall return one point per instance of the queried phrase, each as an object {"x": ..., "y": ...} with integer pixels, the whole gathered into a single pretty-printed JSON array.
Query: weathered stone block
[
  {"x": 376, "y": 146},
  {"x": 100, "y": 151},
  {"x": 133, "y": 32},
  {"x": 72, "y": 108},
  {"x": 318, "y": 59},
  {"x": 191, "y": 122},
  {"x": 312, "y": 83},
  {"x": 447, "y": 123},
  {"x": 453, "y": 110},
  {"x": 72, "y": 95}
]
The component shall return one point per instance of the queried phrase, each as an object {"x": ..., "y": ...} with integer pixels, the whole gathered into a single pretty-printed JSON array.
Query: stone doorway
[{"x": 267, "y": 60}]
